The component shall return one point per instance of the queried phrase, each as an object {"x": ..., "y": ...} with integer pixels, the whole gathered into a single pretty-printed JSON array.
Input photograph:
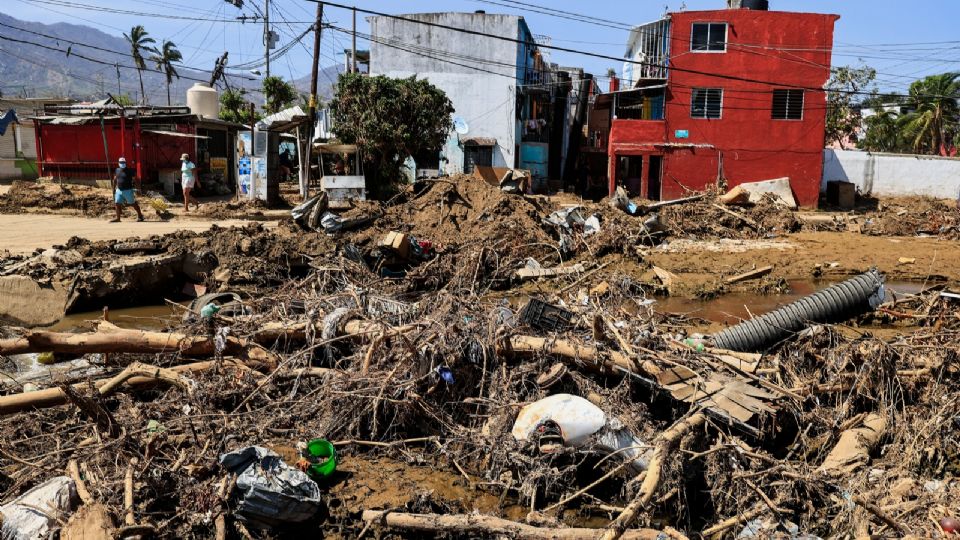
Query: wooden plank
[{"x": 753, "y": 274}]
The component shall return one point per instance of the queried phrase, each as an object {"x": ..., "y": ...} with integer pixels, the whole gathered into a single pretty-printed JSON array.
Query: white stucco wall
[
  {"x": 882, "y": 174},
  {"x": 461, "y": 66}
]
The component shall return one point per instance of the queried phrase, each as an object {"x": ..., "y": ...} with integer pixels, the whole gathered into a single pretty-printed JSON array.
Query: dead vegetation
[{"x": 417, "y": 370}]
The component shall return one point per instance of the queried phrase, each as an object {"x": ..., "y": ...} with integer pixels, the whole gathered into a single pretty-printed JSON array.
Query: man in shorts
[
  {"x": 125, "y": 194},
  {"x": 188, "y": 180}
]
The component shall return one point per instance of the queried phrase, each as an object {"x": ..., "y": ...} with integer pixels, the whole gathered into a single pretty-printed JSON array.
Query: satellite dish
[{"x": 460, "y": 125}]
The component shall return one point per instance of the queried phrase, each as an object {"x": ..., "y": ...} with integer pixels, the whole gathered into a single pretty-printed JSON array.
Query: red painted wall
[
  {"x": 791, "y": 49},
  {"x": 77, "y": 150}
]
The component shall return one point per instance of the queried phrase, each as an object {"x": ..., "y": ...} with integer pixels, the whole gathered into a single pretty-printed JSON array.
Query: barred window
[
  {"x": 788, "y": 104},
  {"x": 706, "y": 103}
]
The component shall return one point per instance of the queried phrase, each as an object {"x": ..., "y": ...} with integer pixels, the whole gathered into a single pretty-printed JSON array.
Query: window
[
  {"x": 476, "y": 156},
  {"x": 706, "y": 103},
  {"x": 708, "y": 37},
  {"x": 788, "y": 104}
]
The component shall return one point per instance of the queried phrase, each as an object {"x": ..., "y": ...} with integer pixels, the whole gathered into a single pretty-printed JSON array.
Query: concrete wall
[
  {"x": 883, "y": 174},
  {"x": 480, "y": 80}
]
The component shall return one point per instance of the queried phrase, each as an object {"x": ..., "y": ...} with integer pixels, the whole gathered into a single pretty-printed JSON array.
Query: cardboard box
[
  {"x": 397, "y": 242},
  {"x": 842, "y": 194}
]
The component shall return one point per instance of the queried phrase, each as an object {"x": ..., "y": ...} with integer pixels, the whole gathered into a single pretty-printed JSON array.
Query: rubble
[{"x": 431, "y": 387}]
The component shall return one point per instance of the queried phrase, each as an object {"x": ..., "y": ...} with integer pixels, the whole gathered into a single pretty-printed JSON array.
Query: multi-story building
[
  {"x": 499, "y": 88},
  {"x": 732, "y": 95}
]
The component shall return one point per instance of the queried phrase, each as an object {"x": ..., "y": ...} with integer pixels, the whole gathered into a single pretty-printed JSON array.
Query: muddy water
[
  {"x": 157, "y": 317},
  {"x": 735, "y": 307}
]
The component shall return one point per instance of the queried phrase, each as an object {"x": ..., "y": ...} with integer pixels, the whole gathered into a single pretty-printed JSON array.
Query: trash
[
  {"x": 544, "y": 316},
  {"x": 761, "y": 528},
  {"x": 396, "y": 243},
  {"x": 515, "y": 181},
  {"x": 752, "y": 274},
  {"x": 321, "y": 459},
  {"x": 34, "y": 514},
  {"x": 738, "y": 196},
  {"x": 591, "y": 225},
  {"x": 446, "y": 374},
  {"x": 906, "y": 260},
  {"x": 331, "y": 222},
  {"x": 579, "y": 423},
  {"x": 209, "y": 311},
  {"x": 552, "y": 376},
  {"x": 835, "y": 303},
  {"x": 778, "y": 187},
  {"x": 269, "y": 491},
  {"x": 530, "y": 273},
  {"x": 302, "y": 212},
  {"x": 950, "y": 525}
]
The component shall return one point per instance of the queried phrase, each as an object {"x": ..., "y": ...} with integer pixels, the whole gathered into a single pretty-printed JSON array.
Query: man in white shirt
[{"x": 188, "y": 179}]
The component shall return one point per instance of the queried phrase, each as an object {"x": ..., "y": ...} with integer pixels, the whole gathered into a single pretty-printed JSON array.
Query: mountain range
[{"x": 79, "y": 61}]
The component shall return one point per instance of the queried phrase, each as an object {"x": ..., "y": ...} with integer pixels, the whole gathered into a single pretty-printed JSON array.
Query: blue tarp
[{"x": 8, "y": 118}]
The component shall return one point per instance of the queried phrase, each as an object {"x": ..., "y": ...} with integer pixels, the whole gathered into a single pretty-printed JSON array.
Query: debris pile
[
  {"x": 405, "y": 379},
  {"x": 25, "y": 196}
]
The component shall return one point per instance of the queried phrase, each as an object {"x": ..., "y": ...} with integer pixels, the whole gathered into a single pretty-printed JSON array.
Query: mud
[{"x": 24, "y": 196}]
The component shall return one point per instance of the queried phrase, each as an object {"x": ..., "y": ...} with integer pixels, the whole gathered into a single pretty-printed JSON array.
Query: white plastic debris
[
  {"x": 32, "y": 515},
  {"x": 581, "y": 423}
]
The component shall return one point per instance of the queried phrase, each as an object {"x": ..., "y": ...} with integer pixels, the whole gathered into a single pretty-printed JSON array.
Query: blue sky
[{"x": 903, "y": 41}]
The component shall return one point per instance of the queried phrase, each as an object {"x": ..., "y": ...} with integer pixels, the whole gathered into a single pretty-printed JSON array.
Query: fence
[{"x": 882, "y": 174}]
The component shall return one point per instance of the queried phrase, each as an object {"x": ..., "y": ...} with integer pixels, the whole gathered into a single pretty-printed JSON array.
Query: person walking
[
  {"x": 188, "y": 180},
  {"x": 124, "y": 193}
]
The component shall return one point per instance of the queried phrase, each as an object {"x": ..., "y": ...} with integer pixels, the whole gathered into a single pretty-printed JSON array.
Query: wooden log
[
  {"x": 753, "y": 274},
  {"x": 52, "y": 397},
  {"x": 651, "y": 481},
  {"x": 110, "y": 339},
  {"x": 486, "y": 526}
]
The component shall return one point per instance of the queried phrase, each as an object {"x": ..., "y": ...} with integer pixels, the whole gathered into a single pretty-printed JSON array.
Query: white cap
[{"x": 123, "y": 160}]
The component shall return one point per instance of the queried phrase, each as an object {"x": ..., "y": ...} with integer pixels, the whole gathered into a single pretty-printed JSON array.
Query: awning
[
  {"x": 479, "y": 141},
  {"x": 175, "y": 134},
  {"x": 336, "y": 148}
]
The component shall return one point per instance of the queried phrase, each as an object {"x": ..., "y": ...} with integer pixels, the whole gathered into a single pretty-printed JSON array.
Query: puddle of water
[
  {"x": 735, "y": 307},
  {"x": 156, "y": 317}
]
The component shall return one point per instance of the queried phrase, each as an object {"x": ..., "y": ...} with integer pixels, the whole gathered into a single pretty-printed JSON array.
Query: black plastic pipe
[{"x": 836, "y": 303}]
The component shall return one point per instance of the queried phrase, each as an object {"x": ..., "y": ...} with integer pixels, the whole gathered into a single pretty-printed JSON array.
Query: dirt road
[{"x": 23, "y": 233}]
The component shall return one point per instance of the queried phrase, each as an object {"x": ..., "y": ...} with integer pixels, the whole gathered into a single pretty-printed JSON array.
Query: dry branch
[{"x": 476, "y": 524}]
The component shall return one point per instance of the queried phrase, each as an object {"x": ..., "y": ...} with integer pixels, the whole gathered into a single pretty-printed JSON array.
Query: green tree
[
  {"x": 882, "y": 134},
  {"x": 937, "y": 114},
  {"x": 140, "y": 42},
  {"x": 123, "y": 100},
  {"x": 279, "y": 94},
  {"x": 842, "y": 95},
  {"x": 164, "y": 59},
  {"x": 234, "y": 107},
  {"x": 390, "y": 120}
]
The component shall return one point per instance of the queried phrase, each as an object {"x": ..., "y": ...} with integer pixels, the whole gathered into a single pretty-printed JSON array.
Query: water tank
[
  {"x": 761, "y": 5},
  {"x": 203, "y": 100}
]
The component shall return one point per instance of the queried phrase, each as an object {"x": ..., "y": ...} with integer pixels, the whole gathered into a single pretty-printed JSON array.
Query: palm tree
[
  {"x": 937, "y": 112},
  {"x": 164, "y": 59},
  {"x": 140, "y": 41}
]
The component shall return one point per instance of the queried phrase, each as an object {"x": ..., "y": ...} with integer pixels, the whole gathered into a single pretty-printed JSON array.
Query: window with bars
[
  {"x": 708, "y": 37},
  {"x": 706, "y": 103},
  {"x": 787, "y": 105}
]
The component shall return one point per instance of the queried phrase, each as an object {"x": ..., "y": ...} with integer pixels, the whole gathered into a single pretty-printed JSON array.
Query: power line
[
  {"x": 77, "y": 5},
  {"x": 594, "y": 54},
  {"x": 560, "y": 14}
]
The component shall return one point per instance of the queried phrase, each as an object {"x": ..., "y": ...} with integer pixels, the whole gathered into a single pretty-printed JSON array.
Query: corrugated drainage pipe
[{"x": 834, "y": 304}]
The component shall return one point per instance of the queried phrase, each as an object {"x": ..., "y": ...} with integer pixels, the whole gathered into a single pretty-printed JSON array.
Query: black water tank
[{"x": 762, "y": 5}]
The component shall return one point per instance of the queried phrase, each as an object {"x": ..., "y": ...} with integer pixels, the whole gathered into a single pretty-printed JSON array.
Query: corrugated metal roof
[{"x": 284, "y": 120}]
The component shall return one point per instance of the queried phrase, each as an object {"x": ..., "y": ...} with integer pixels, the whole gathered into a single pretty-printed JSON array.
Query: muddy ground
[{"x": 413, "y": 442}]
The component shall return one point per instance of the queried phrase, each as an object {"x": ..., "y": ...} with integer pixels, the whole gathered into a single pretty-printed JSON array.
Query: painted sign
[
  {"x": 681, "y": 134},
  {"x": 245, "y": 176}
]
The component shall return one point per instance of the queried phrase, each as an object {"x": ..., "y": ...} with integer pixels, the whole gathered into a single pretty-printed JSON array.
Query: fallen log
[
  {"x": 111, "y": 339},
  {"x": 52, "y": 397},
  {"x": 481, "y": 525}
]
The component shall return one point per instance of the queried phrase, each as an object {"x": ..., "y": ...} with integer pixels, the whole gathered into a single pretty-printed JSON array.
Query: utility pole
[
  {"x": 314, "y": 72},
  {"x": 353, "y": 44},
  {"x": 119, "y": 91},
  {"x": 266, "y": 33}
]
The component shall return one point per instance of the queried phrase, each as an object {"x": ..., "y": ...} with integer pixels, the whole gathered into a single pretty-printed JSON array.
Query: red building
[
  {"x": 85, "y": 141},
  {"x": 731, "y": 94}
]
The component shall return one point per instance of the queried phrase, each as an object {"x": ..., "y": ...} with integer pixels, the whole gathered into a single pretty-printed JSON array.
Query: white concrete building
[{"x": 483, "y": 76}]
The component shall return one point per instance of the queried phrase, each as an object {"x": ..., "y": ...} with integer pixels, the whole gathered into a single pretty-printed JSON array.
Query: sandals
[{"x": 115, "y": 220}]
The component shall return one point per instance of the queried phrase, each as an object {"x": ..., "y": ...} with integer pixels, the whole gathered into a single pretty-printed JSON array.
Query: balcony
[{"x": 648, "y": 53}]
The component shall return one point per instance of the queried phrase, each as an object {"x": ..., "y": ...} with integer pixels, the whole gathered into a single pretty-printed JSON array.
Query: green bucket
[{"x": 321, "y": 449}]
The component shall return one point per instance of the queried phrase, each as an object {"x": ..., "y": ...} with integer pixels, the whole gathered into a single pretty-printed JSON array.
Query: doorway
[
  {"x": 654, "y": 171},
  {"x": 631, "y": 169}
]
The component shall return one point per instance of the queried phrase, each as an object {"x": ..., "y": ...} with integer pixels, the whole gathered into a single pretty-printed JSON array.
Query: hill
[{"x": 37, "y": 65}]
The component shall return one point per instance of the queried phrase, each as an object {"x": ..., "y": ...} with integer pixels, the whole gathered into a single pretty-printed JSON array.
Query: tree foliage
[
  {"x": 390, "y": 120},
  {"x": 842, "y": 96},
  {"x": 279, "y": 94},
  {"x": 140, "y": 42},
  {"x": 882, "y": 133},
  {"x": 234, "y": 107},
  {"x": 936, "y": 116},
  {"x": 164, "y": 59}
]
